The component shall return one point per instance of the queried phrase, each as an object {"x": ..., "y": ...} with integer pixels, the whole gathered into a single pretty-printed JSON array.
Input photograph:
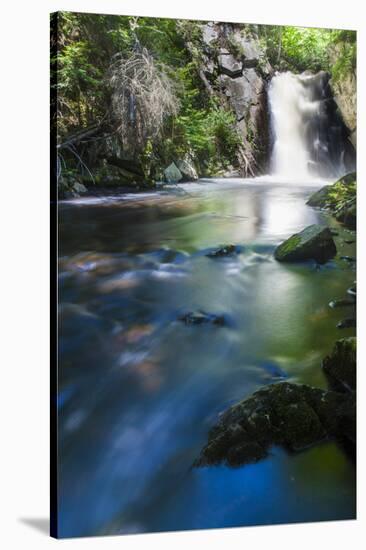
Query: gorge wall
[
  {"x": 344, "y": 90},
  {"x": 235, "y": 70}
]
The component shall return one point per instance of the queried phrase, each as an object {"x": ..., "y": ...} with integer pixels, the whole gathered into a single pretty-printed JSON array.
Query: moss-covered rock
[
  {"x": 339, "y": 199},
  {"x": 340, "y": 364},
  {"x": 320, "y": 198},
  {"x": 347, "y": 213},
  {"x": 347, "y": 179},
  {"x": 313, "y": 243},
  {"x": 291, "y": 415}
]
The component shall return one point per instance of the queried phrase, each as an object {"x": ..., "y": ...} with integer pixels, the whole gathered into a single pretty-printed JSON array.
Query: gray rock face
[
  {"x": 251, "y": 49},
  {"x": 239, "y": 94},
  {"x": 243, "y": 94},
  {"x": 209, "y": 33},
  {"x": 172, "y": 173},
  {"x": 345, "y": 95},
  {"x": 230, "y": 66},
  {"x": 291, "y": 415},
  {"x": 313, "y": 243},
  {"x": 234, "y": 68}
]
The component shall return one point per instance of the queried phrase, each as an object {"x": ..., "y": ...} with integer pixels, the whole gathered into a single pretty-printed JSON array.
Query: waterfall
[{"x": 309, "y": 138}]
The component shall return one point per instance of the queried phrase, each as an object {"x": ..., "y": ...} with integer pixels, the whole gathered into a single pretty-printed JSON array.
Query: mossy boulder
[
  {"x": 291, "y": 415},
  {"x": 320, "y": 198},
  {"x": 347, "y": 213},
  {"x": 348, "y": 178},
  {"x": 313, "y": 243},
  {"x": 339, "y": 198},
  {"x": 340, "y": 364}
]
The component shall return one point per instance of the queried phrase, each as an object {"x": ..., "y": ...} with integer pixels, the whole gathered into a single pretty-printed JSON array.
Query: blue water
[{"x": 139, "y": 390}]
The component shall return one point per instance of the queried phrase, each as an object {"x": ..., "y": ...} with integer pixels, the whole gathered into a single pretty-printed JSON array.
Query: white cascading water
[{"x": 291, "y": 105}]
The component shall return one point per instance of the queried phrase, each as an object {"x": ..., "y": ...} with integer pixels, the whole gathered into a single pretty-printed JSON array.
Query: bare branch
[{"x": 143, "y": 95}]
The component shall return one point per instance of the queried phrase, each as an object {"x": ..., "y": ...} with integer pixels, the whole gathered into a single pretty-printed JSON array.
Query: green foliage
[
  {"x": 306, "y": 49},
  {"x": 299, "y": 49},
  {"x": 344, "y": 47},
  {"x": 234, "y": 46},
  {"x": 296, "y": 48},
  {"x": 340, "y": 194}
]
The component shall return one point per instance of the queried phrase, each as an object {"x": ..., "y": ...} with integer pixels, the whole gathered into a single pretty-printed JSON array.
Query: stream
[{"x": 139, "y": 389}]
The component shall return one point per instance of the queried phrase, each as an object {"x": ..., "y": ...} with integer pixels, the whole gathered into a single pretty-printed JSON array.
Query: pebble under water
[{"x": 139, "y": 389}]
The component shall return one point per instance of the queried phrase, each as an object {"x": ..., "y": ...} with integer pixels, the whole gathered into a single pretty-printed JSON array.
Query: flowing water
[{"x": 139, "y": 390}]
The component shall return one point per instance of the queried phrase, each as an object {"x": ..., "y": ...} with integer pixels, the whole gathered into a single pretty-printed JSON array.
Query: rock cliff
[{"x": 236, "y": 71}]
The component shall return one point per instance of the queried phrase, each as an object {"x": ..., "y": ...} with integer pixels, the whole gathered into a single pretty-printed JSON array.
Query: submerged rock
[
  {"x": 313, "y": 243},
  {"x": 347, "y": 323},
  {"x": 200, "y": 317},
  {"x": 291, "y": 415},
  {"x": 340, "y": 364},
  {"x": 352, "y": 291},
  {"x": 227, "y": 250},
  {"x": 348, "y": 258},
  {"x": 342, "y": 303}
]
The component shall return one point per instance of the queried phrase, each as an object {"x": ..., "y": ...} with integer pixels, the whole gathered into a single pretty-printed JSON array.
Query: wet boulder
[
  {"x": 200, "y": 317},
  {"x": 187, "y": 169},
  {"x": 291, "y": 415},
  {"x": 172, "y": 174},
  {"x": 350, "y": 322},
  {"x": 347, "y": 179},
  {"x": 340, "y": 364},
  {"x": 339, "y": 198},
  {"x": 352, "y": 291},
  {"x": 320, "y": 198},
  {"x": 347, "y": 214},
  {"x": 323, "y": 198},
  {"x": 349, "y": 259},
  {"x": 313, "y": 243},
  {"x": 343, "y": 302}
]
